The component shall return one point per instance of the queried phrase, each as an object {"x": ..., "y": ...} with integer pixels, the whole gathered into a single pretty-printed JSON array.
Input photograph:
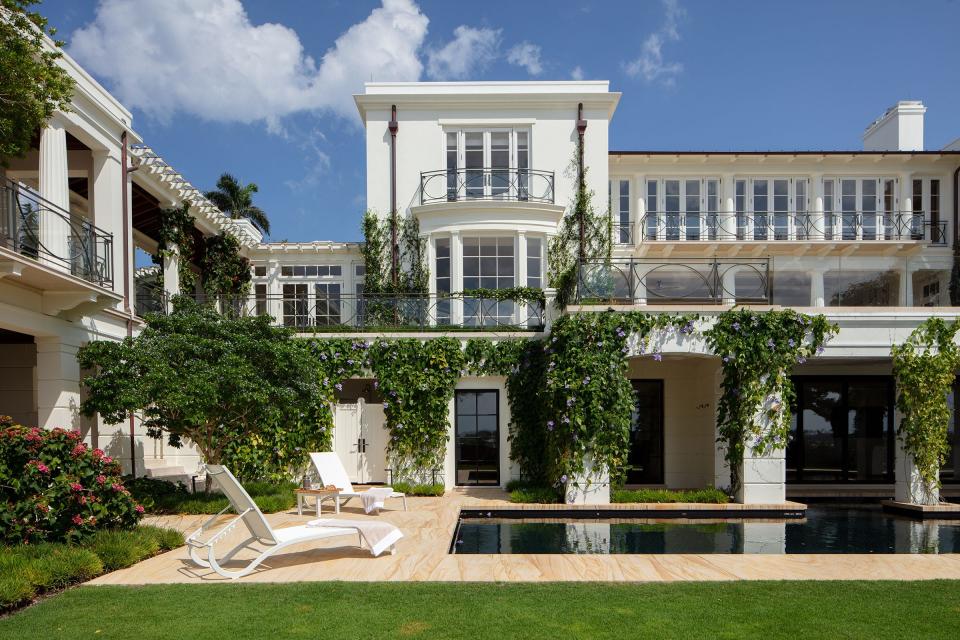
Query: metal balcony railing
[
  {"x": 341, "y": 312},
  {"x": 36, "y": 228},
  {"x": 150, "y": 298},
  {"x": 684, "y": 280},
  {"x": 784, "y": 226},
  {"x": 487, "y": 183}
]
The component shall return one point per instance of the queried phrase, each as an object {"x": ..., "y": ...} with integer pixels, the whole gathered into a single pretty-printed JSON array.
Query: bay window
[{"x": 488, "y": 263}]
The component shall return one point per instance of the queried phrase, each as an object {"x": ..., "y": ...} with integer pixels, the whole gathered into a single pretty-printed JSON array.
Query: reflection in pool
[{"x": 834, "y": 529}]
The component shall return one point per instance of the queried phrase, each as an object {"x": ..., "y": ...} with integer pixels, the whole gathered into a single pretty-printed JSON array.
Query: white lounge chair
[
  {"x": 331, "y": 471},
  {"x": 261, "y": 531}
]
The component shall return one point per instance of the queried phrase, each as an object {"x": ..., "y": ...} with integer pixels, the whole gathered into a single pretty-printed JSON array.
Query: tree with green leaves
[
  {"x": 236, "y": 200},
  {"x": 32, "y": 84},
  {"x": 220, "y": 382}
]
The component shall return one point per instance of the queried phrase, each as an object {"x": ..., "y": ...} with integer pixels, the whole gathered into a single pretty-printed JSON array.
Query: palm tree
[{"x": 236, "y": 201}]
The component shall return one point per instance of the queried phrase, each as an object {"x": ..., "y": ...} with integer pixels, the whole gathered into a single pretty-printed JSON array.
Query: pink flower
[
  {"x": 73, "y": 435},
  {"x": 44, "y": 507},
  {"x": 97, "y": 453},
  {"x": 117, "y": 486},
  {"x": 101, "y": 479},
  {"x": 138, "y": 509},
  {"x": 76, "y": 486},
  {"x": 107, "y": 459},
  {"x": 79, "y": 450},
  {"x": 77, "y": 520}
]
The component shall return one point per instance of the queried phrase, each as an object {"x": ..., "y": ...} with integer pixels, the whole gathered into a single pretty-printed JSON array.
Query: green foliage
[
  {"x": 412, "y": 275},
  {"x": 925, "y": 367},
  {"x": 54, "y": 488},
  {"x": 161, "y": 497},
  {"x": 32, "y": 85},
  {"x": 708, "y": 495},
  {"x": 565, "y": 250},
  {"x": 239, "y": 382},
  {"x": 520, "y": 295},
  {"x": 417, "y": 379},
  {"x": 29, "y": 570},
  {"x": 429, "y": 489},
  {"x": 226, "y": 273},
  {"x": 758, "y": 351},
  {"x": 176, "y": 230},
  {"x": 236, "y": 201},
  {"x": 522, "y": 492}
]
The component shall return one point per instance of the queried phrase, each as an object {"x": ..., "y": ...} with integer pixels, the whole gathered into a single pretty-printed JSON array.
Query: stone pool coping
[{"x": 943, "y": 511}]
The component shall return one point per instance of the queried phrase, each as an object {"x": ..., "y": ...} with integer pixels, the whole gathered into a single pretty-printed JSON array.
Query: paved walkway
[{"x": 423, "y": 556}]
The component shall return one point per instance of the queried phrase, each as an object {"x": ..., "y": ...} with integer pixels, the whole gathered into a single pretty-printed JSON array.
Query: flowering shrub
[{"x": 54, "y": 488}]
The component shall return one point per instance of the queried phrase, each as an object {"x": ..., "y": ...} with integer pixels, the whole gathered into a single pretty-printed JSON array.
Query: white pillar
[
  {"x": 55, "y": 189},
  {"x": 729, "y": 284},
  {"x": 817, "y": 220},
  {"x": 107, "y": 210},
  {"x": 816, "y": 288},
  {"x": 520, "y": 279},
  {"x": 908, "y": 485},
  {"x": 171, "y": 274},
  {"x": 456, "y": 278},
  {"x": 728, "y": 207},
  {"x": 763, "y": 477},
  {"x": 904, "y": 214},
  {"x": 58, "y": 384},
  {"x": 432, "y": 311},
  {"x": 639, "y": 225}
]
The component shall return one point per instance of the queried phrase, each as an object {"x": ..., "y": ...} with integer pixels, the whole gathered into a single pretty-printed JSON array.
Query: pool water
[{"x": 826, "y": 529}]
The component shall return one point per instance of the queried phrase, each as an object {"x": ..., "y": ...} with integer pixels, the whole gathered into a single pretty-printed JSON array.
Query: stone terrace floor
[{"x": 423, "y": 555}]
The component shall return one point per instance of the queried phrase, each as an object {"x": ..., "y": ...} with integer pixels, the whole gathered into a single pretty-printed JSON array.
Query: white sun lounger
[
  {"x": 260, "y": 530},
  {"x": 331, "y": 471}
]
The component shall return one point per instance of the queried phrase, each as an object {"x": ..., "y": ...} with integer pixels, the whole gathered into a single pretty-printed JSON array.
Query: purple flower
[
  {"x": 338, "y": 387},
  {"x": 566, "y": 419},
  {"x": 563, "y": 479},
  {"x": 570, "y": 402},
  {"x": 399, "y": 425},
  {"x": 801, "y": 360},
  {"x": 791, "y": 342},
  {"x": 323, "y": 356},
  {"x": 736, "y": 326},
  {"x": 658, "y": 357},
  {"x": 386, "y": 405},
  {"x": 770, "y": 343},
  {"x": 586, "y": 380},
  {"x": 819, "y": 349},
  {"x": 726, "y": 358},
  {"x": 549, "y": 425},
  {"x": 376, "y": 384}
]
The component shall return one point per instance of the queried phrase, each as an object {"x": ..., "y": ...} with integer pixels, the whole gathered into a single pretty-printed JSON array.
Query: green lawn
[{"x": 768, "y": 610}]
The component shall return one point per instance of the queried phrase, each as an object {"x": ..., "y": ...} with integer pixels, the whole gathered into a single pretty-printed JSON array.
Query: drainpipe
[
  {"x": 581, "y": 129},
  {"x": 956, "y": 208},
  {"x": 124, "y": 184},
  {"x": 394, "y": 253},
  {"x": 955, "y": 270}
]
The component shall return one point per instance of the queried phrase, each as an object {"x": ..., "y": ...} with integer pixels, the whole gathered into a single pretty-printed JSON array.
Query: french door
[
  {"x": 772, "y": 209},
  {"x": 866, "y": 206},
  {"x": 687, "y": 209},
  {"x": 487, "y": 164},
  {"x": 477, "y": 441}
]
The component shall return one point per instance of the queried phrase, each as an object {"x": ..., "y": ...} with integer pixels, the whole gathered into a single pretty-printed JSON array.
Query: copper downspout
[
  {"x": 125, "y": 177},
  {"x": 394, "y": 253},
  {"x": 956, "y": 208},
  {"x": 581, "y": 129}
]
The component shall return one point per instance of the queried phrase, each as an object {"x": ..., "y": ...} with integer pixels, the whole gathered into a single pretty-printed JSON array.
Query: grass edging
[{"x": 30, "y": 571}]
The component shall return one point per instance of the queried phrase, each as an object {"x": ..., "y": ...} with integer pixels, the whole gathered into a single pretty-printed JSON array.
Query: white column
[
  {"x": 520, "y": 312},
  {"x": 816, "y": 207},
  {"x": 274, "y": 292},
  {"x": 905, "y": 210},
  {"x": 456, "y": 277},
  {"x": 432, "y": 281},
  {"x": 908, "y": 485},
  {"x": 816, "y": 288},
  {"x": 107, "y": 210},
  {"x": 763, "y": 477},
  {"x": 640, "y": 202},
  {"x": 728, "y": 208},
  {"x": 54, "y": 188},
  {"x": 171, "y": 274},
  {"x": 58, "y": 384},
  {"x": 639, "y": 272},
  {"x": 729, "y": 284}
]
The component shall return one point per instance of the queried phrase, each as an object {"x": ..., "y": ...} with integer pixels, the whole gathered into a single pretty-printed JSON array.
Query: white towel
[
  {"x": 373, "y": 498},
  {"x": 377, "y": 534}
]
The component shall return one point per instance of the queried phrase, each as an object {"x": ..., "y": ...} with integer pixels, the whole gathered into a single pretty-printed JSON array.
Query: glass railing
[{"x": 38, "y": 229}]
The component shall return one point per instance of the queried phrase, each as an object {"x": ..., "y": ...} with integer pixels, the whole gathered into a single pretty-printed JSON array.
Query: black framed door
[
  {"x": 645, "y": 460},
  {"x": 842, "y": 430},
  {"x": 477, "y": 441}
]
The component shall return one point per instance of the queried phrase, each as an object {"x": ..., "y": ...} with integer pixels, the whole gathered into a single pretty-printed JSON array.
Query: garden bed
[
  {"x": 160, "y": 497},
  {"x": 30, "y": 571}
]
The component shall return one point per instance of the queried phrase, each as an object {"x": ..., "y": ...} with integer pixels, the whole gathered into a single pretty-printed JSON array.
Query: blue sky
[{"x": 262, "y": 88}]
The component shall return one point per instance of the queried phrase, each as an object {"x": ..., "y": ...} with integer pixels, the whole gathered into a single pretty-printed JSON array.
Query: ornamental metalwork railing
[
  {"x": 150, "y": 298},
  {"x": 39, "y": 229},
  {"x": 685, "y": 280},
  {"x": 487, "y": 183},
  {"x": 784, "y": 226},
  {"x": 333, "y": 312}
]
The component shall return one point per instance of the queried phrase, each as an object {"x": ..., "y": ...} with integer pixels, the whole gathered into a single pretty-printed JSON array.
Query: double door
[
  {"x": 360, "y": 439},
  {"x": 487, "y": 164}
]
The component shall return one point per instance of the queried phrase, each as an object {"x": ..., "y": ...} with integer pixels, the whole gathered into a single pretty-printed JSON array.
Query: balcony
[
  {"x": 783, "y": 226},
  {"x": 47, "y": 235},
  {"x": 487, "y": 183},
  {"x": 336, "y": 313},
  {"x": 686, "y": 281}
]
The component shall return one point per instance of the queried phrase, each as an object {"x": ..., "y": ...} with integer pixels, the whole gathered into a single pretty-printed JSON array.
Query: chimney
[{"x": 900, "y": 128}]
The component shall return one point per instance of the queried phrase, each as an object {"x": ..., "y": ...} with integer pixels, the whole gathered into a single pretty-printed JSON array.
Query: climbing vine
[
  {"x": 925, "y": 367},
  {"x": 176, "y": 230},
  {"x": 758, "y": 351},
  {"x": 412, "y": 275},
  {"x": 565, "y": 249},
  {"x": 417, "y": 380},
  {"x": 226, "y": 273},
  {"x": 520, "y": 295}
]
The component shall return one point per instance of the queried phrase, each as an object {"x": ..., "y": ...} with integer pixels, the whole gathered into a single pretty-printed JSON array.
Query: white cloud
[
  {"x": 526, "y": 55},
  {"x": 205, "y": 58},
  {"x": 577, "y": 73},
  {"x": 650, "y": 64},
  {"x": 470, "y": 51}
]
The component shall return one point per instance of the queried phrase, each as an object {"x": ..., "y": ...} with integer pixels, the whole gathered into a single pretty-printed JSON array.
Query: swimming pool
[{"x": 826, "y": 529}]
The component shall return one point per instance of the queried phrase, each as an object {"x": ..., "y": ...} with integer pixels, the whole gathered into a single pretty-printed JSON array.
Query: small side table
[{"x": 319, "y": 496}]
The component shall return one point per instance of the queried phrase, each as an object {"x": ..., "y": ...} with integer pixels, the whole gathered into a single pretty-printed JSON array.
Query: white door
[
  {"x": 347, "y": 439},
  {"x": 373, "y": 442}
]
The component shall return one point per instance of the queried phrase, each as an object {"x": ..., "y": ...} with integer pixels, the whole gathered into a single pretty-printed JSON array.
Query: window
[
  {"x": 651, "y": 224},
  {"x": 260, "y": 272},
  {"x": 740, "y": 201},
  {"x": 491, "y": 163},
  {"x": 860, "y": 208},
  {"x": 488, "y": 263},
  {"x": 936, "y": 233},
  {"x": 523, "y": 165},
  {"x": 623, "y": 229},
  {"x": 645, "y": 459},
  {"x": 328, "y": 304},
  {"x": 477, "y": 442},
  {"x": 828, "y": 217},
  {"x": 442, "y": 271},
  {"x": 713, "y": 205},
  {"x": 889, "y": 210},
  {"x": 295, "y": 305},
  {"x": 916, "y": 225},
  {"x": 359, "y": 270},
  {"x": 803, "y": 218},
  {"x": 534, "y": 278},
  {"x": 260, "y": 299},
  {"x": 452, "y": 165},
  {"x": 310, "y": 271}
]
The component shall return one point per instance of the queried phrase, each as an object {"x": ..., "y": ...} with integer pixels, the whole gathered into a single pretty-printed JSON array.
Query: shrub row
[
  {"x": 27, "y": 571},
  {"x": 162, "y": 497},
  {"x": 434, "y": 490},
  {"x": 708, "y": 495},
  {"x": 522, "y": 492}
]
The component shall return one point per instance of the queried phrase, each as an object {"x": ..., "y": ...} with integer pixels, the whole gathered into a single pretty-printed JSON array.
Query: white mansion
[{"x": 862, "y": 236}]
